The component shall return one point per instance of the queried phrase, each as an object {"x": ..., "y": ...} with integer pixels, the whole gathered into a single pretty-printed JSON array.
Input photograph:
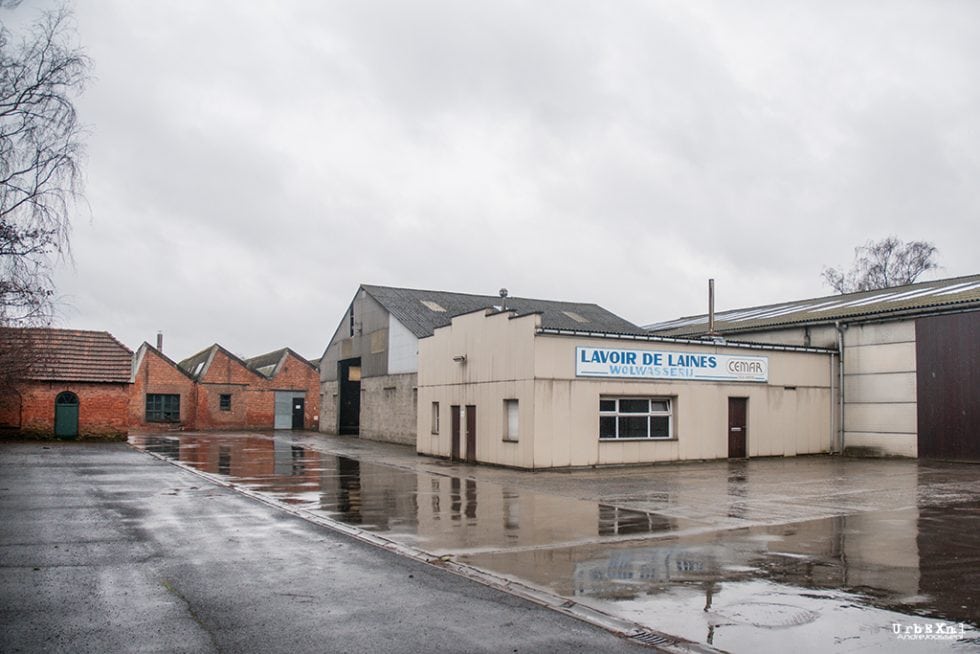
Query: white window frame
[
  {"x": 512, "y": 416},
  {"x": 651, "y": 413}
]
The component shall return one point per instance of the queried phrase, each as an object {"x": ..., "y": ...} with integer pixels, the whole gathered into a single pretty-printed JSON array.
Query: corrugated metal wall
[{"x": 948, "y": 384}]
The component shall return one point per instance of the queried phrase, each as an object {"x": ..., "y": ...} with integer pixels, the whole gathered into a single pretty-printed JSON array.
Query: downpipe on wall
[{"x": 841, "y": 328}]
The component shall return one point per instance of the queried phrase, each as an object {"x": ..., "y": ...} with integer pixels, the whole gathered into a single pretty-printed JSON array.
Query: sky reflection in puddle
[{"x": 834, "y": 584}]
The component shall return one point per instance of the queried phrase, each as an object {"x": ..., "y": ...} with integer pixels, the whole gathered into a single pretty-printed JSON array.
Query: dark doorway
[
  {"x": 66, "y": 415},
  {"x": 737, "y": 427},
  {"x": 299, "y": 411},
  {"x": 470, "y": 433},
  {"x": 947, "y": 355},
  {"x": 349, "y": 385},
  {"x": 454, "y": 420}
]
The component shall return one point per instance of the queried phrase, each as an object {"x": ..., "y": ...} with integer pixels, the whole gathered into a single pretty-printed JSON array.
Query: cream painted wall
[
  {"x": 559, "y": 413},
  {"x": 782, "y": 421}
]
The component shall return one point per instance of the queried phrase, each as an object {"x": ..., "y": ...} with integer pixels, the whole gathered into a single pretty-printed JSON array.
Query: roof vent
[{"x": 503, "y": 292}]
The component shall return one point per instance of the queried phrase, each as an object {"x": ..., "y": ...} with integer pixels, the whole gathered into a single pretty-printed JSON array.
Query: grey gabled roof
[
  {"x": 268, "y": 364},
  {"x": 422, "y": 311},
  {"x": 914, "y": 299}
]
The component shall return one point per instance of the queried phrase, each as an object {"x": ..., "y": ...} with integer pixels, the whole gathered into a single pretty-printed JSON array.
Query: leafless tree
[
  {"x": 883, "y": 264},
  {"x": 40, "y": 156}
]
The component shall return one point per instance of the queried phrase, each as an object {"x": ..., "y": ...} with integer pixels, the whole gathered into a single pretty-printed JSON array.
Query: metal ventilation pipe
[
  {"x": 160, "y": 341},
  {"x": 711, "y": 307}
]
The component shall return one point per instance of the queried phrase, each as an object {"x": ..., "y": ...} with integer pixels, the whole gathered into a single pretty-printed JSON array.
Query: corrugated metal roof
[
  {"x": 924, "y": 297},
  {"x": 72, "y": 354},
  {"x": 422, "y": 311}
]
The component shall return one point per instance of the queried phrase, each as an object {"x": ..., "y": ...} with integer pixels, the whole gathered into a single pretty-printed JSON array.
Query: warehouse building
[
  {"x": 214, "y": 389},
  {"x": 910, "y": 361},
  {"x": 502, "y": 386},
  {"x": 369, "y": 370}
]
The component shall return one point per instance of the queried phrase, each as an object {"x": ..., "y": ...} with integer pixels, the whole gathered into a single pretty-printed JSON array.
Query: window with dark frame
[
  {"x": 646, "y": 418},
  {"x": 161, "y": 407},
  {"x": 224, "y": 401},
  {"x": 435, "y": 417}
]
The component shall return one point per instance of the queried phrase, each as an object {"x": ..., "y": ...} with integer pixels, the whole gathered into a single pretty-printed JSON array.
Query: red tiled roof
[{"x": 72, "y": 355}]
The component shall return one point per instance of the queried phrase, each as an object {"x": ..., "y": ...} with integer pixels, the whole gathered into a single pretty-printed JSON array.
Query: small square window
[{"x": 224, "y": 402}]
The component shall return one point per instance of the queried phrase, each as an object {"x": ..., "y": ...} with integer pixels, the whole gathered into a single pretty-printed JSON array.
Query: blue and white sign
[{"x": 656, "y": 364}]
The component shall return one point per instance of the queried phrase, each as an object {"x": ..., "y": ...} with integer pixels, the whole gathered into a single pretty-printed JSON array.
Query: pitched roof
[
  {"x": 268, "y": 364},
  {"x": 141, "y": 353},
  {"x": 72, "y": 354},
  {"x": 914, "y": 299},
  {"x": 422, "y": 311}
]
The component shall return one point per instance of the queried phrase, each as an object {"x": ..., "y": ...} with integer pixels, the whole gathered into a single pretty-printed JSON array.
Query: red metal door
[
  {"x": 454, "y": 420},
  {"x": 737, "y": 427},
  {"x": 470, "y": 433}
]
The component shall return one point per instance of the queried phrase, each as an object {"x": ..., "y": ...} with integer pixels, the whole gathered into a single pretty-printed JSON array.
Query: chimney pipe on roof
[
  {"x": 711, "y": 307},
  {"x": 160, "y": 341}
]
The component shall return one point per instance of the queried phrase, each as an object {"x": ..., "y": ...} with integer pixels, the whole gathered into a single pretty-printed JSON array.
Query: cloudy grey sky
[{"x": 250, "y": 163}]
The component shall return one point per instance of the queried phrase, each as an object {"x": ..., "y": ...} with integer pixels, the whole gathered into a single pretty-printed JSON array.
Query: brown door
[
  {"x": 454, "y": 419},
  {"x": 470, "y": 433},
  {"x": 737, "y": 426}
]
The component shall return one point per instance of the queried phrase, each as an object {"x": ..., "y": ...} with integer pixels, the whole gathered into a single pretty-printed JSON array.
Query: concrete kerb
[{"x": 623, "y": 628}]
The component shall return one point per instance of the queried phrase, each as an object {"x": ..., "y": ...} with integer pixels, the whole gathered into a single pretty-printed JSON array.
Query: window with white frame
[
  {"x": 511, "y": 415},
  {"x": 435, "y": 417},
  {"x": 635, "y": 418}
]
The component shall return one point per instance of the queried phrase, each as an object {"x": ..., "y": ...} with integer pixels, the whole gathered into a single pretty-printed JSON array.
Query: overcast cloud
[{"x": 251, "y": 163}]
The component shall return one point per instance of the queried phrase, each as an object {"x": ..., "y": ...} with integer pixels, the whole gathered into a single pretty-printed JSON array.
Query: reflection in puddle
[{"x": 837, "y": 583}]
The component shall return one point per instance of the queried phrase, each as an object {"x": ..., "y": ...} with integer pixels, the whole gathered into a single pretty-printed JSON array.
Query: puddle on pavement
[{"x": 834, "y": 584}]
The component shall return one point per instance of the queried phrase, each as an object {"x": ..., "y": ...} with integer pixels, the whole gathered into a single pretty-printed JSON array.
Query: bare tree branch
[
  {"x": 883, "y": 264},
  {"x": 40, "y": 160}
]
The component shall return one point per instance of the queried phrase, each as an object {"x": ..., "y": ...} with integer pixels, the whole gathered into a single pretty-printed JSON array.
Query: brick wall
[
  {"x": 102, "y": 408},
  {"x": 294, "y": 375},
  {"x": 156, "y": 374}
]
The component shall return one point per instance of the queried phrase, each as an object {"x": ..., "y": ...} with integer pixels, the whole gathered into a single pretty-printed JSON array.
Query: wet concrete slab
[
  {"x": 104, "y": 549},
  {"x": 828, "y": 554}
]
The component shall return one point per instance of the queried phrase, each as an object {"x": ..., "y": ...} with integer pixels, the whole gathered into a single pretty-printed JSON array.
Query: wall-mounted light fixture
[{"x": 460, "y": 358}]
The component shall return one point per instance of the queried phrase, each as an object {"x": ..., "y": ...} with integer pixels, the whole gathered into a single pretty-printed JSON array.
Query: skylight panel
[
  {"x": 576, "y": 317},
  {"x": 433, "y": 306}
]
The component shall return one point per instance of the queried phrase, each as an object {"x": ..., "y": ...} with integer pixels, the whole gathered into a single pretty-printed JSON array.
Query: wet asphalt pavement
[
  {"x": 820, "y": 553},
  {"x": 106, "y": 549}
]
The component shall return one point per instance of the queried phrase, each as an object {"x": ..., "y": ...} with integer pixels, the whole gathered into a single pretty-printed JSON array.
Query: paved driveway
[
  {"x": 832, "y": 554},
  {"x": 106, "y": 549}
]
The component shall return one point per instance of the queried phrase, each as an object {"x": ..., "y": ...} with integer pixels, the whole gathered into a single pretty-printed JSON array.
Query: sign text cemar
[{"x": 656, "y": 364}]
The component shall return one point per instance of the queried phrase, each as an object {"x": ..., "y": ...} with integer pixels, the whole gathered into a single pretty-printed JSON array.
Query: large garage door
[
  {"x": 284, "y": 408},
  {"x": 947, "y": 351}
]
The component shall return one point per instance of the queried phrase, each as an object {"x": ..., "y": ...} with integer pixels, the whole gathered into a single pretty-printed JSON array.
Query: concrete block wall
[
  {"x": 388, "y": 408},
  {"x": 328, "y": 407}
]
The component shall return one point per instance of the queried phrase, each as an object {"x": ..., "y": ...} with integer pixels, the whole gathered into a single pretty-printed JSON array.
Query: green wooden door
[{"x": 66, "y": 415}]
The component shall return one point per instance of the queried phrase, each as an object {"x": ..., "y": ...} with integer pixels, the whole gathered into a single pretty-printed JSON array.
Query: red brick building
[
  {"x": 214, "y": 389},
  {"x": 163, "y": 395},
  {"x": 73, "y": 383}
]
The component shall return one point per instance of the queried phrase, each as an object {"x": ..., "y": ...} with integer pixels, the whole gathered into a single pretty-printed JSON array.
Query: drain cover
[{"x": 651, "y": 638}]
